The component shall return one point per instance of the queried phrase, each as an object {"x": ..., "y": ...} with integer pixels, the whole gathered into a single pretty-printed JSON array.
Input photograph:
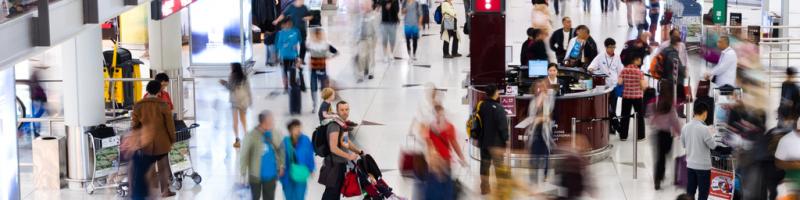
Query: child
[
  {"x": 328, "y": 95},
  {"x": 288, "y": 43},
  {"x": 319, "y": 50}
]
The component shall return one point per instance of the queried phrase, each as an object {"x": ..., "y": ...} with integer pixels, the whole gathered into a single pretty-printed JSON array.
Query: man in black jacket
[
  {"x": 494, "y": 136},
  {"x": 560, "y": 37}
]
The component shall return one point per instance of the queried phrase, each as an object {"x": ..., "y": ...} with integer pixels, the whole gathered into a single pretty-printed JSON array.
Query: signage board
[
  {"x": 509, "y": 103},
  {"x": 492, "y": 6},
  {"x": 161, "y": 9},
  {"x": 721, "y": 185}
]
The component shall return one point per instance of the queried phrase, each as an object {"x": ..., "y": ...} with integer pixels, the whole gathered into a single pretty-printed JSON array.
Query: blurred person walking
[
  {"x": 698, "y": 140},
  {"x": 299, "y": 162},
  {"x": 540, "y": 131},
  {"x": 494, "y": 136},
  {"x": 666, "y": 125},
  {"x": 440, "y": 137},
  {"x": 390, "y": 10},
  {"x": 637, "y": 47},
  {"x": 240, "y": 98},
  {"x": 790, "y": 98},
  {"x": 299, "y": 14},
  {"x": 320, "y": 50},
  {"x": 448, "y": 31},
  {"x": 633, "y": 86},
  {"x": 587, "y": 6},
  {"x": 426, "y": 13},
  {"x": 342, "y": 150},
  {"x": 412, "y": 21},
  {"x": 654, "y": 11},
  {"x": 724, "y": 73},
  {"x": 631, "y": 5},
  {"x": 559, "y": 40},
  {"x": 287, "y": 40},
  {"x": 38, "y": 101},
  {"x": 151, "y": 138},
  {"x": 264, "y": 13},
  {"x": 261, "y": 161},
  {"x": 365, "y": 43},
  {"x": 534, "y": 48},
  {"x": 610, "y": 65}
]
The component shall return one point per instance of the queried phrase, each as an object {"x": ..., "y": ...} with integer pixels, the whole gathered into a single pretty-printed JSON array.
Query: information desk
[{"x": 590, "y": 107}]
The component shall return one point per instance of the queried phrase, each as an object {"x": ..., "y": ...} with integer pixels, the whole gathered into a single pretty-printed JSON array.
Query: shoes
[
  {"x": 448, "y": 56},
  {"x": 236, "y": 144},
  {"x": 484, "y": 188},
  {"x": 658, "y": 185},
  {"x": 457, "y": 55},
  {"x": 370, "y": 77},
  {"x": 167, "y": 194},
  {"x": 303, "y": 88},
  {"x": 623, "y": 139}
]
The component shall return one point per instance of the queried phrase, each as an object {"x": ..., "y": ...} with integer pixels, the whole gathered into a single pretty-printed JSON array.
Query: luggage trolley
[
  {"x": 180, "y": 159},
  {"x": 723, "y": 176},
  {"x": 109, "y": 170}
]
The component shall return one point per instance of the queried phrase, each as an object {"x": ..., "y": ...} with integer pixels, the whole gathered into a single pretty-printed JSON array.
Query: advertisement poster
[
  {"x": 216, "y": 39},
  {"x": 179, "y": 156},
  {"x": 106, "y": 160},
  {"x": 721, "y": 185}
]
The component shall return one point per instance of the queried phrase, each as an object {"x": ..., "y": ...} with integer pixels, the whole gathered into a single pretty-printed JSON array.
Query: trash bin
[{"x": 49, "y": 162}]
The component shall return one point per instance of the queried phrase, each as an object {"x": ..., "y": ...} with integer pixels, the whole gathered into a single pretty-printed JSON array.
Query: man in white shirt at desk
[
  {"x": 609, "y": 64},
  {"x": 725, "y": 71}
]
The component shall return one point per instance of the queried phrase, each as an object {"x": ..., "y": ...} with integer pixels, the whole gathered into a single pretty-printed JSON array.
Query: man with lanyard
[
  {"x": 610, "y": 65},
  {"x": 581, "y": 50}
]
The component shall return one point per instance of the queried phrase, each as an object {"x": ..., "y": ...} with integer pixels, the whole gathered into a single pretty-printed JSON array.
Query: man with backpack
[
  {"x": 332, "y": 142},
  {"x": 491, "y": 133},
  {"x": 261, "y": 159}
]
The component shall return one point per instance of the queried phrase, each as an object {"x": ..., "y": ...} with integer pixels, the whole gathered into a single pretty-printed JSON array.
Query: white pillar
[
  {"x": 165, "y": 43},
  {"x": 83, "y": 100},
  {"x": 9, "y": 172}
]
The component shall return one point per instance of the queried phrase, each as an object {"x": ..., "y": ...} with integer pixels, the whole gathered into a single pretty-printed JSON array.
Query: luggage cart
[
  {"x": 724, "y": 99},
  {"x": 180, "y": 159},
  {"x": 109, "y": 170},
  {"x": 722, "y": 176}
]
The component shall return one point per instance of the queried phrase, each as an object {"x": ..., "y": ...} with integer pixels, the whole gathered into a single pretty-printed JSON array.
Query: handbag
[
  {"x": 412, "y": 162},
  {"x": 618, "y": 90},
  {"x": 297, "y": 172},
  {"x": 350, "y": 186},
  {"x": 449, "y": 23}
]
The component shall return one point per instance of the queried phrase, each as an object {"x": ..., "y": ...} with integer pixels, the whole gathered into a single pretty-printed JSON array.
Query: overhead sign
[
  {"x": 489, "y": 5},
  {"x": 161, "y": 9},
  {"x": 509, "y": 105}
]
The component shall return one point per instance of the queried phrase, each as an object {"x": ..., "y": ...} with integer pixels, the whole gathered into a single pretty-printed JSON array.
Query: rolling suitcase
[
  {"x": 681, "y": 172},
  {"x": 294, "y": 100}
]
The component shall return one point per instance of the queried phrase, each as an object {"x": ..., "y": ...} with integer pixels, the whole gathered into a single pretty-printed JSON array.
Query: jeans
[
  {"x": 454, "y": 40},
  {"x": 302, "y": 54},
  {"x": 604, "y": 5},
  {"x": 587, "y": 5},
  {"x": 319, "y": 77},
  {"x": 635, "y": 105},
  {"x": 292, "y": 76},
  {"x": 141, "y": 163},
  {"x": 160, "y": 175},
  {"x": 664, "y": 146},
  {"x": 438, "y": 188},
  {"x": 37, "y": 110},
  {"x": 698, "y": 180},
  {"x": 264, "y": 189},
  {"x": 555, "y": 6},
  {"x": 487, "y": 160},
  {"x": 294, "y": 190}
]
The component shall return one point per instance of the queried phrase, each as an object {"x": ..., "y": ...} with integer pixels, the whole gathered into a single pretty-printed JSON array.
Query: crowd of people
[{"x": 654, "y": 92}]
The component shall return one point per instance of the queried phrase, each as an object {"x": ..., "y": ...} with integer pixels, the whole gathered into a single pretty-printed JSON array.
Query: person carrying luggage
[
  {"x": 261, "y": 158},
  {"x": 240, "y": 98},
  {"x": 493, "y": 137},
  {"x": 151, "y": 138},
  {"x": 541, "y": 139},
  {"x": 441, "y": 140},
  {"x": 698, "y": 141},
  {"x": 298, "y": 162},
  {"x": 320, "y": 50},
  {"x": 666, "y": 125},
  {"x": 340, "y": 151}
]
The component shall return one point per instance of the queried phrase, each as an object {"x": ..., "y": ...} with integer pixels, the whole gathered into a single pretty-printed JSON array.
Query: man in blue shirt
[{"x": 287, "y": 42}]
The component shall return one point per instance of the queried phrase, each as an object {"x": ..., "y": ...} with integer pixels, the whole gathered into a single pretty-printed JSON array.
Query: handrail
[
  {"x": 143, "y": 79},
  {"x": 48, "y": 119}
]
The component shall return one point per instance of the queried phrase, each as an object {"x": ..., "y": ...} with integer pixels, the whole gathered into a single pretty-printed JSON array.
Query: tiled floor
[{"x": 390, "y": 101}]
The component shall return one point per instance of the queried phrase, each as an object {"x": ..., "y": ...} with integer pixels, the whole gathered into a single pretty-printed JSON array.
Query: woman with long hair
[
  {"x": 666, "y": 125},
  {"x": 240, "y": 97}
]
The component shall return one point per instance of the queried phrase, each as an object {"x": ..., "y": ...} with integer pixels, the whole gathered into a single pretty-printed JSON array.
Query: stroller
[{"x": 367, "y": 176}]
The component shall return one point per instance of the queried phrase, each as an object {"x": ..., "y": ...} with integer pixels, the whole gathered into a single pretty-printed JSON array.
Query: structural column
[
  {"x": 166, "y": 54},
  {"x": 9, "y": 171},
  {"x": 83, "y": 100}
]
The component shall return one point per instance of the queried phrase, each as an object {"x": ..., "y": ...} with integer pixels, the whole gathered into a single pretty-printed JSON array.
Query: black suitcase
[
  {"x": 294, "y": 100},
  {"x": 709, "y": 102}
]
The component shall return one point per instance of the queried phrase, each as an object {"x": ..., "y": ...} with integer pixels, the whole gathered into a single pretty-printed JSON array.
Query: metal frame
[{"x": 172, "y": 88}]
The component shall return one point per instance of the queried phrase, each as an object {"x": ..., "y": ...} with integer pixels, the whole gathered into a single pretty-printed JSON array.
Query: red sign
[
  {"x": 721, "y": 185},
  {"x": 488, "y": 6},
  {"x": 164, "y": 8},
  {"x": 509, "y": 105}
]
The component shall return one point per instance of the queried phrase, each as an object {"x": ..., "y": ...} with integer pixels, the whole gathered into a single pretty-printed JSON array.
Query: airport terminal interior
[{"x": 75, "y": 90}]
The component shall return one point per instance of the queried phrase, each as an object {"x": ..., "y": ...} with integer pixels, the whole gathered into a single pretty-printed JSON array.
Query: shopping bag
[{"x": 350, "y": 186}]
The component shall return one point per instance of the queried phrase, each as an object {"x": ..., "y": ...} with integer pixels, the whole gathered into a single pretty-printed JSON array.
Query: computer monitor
[{"x": 537, "y": 68}]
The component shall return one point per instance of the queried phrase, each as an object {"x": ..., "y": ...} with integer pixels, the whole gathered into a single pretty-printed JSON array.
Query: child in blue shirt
[{"x": 288, "y": 44}]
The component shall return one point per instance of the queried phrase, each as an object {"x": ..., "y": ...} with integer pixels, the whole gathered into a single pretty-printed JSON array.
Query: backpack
[
  {"x": 320, "y": 138},
  {"x": 437, "y": 15},
  {"x": 475, "y": 124},
  {"x": 657, "y": 66}
]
